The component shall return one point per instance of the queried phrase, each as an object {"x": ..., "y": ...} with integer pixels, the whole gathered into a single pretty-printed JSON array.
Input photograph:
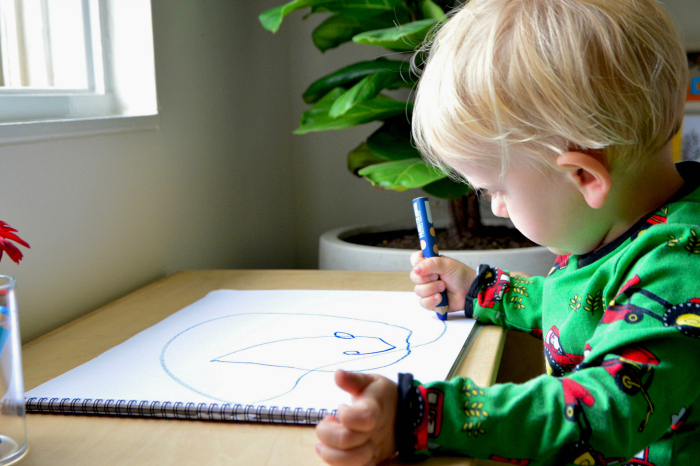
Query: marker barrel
[{"x": 428, "y": 243}]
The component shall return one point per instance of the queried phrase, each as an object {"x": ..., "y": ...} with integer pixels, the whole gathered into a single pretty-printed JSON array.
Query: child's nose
[{"x": 499, "y": 207}]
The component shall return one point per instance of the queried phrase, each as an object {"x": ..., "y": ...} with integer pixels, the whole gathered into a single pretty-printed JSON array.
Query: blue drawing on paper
[
  {"x": 282, "y": 347},
  {"x": 308, "y": 353}
]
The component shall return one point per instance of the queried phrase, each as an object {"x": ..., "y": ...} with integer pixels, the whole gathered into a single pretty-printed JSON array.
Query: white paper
[{"x": 273, "y": 348}]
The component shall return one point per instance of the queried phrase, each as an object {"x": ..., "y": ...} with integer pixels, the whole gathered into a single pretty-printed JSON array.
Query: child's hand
[
  {"x": 435, "y": 274},
  {"x": 363, "y": 433}
]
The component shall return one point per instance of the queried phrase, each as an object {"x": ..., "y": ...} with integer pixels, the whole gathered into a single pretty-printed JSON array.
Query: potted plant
[{"x": 355, "y": 95}]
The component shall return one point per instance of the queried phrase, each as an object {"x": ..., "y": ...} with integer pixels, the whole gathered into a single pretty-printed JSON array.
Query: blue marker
[
  {"x": 4, "y": 326},
  {"x": 426, "y": 235}
]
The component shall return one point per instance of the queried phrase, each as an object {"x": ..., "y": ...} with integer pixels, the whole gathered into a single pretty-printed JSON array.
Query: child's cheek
[{"x": 532, "y": 225}]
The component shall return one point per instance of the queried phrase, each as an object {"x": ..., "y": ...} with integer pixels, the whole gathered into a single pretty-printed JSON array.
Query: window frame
[{"x": 29, "y": 114}]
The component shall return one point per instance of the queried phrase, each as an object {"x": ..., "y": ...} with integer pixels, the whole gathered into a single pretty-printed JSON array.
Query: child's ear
[{"x": 589, "y": 175}]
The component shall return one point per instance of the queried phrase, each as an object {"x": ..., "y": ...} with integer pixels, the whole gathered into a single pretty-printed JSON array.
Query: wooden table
[{"x": 82, "y": 440}]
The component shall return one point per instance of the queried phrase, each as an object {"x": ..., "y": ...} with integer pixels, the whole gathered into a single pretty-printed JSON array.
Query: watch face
[{"x": 415, "y": 407}]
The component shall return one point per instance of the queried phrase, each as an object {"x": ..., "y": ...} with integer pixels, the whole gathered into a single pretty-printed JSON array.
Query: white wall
[
  {"x": 107, "y": 214},
  {"x": 687, "y": 17}
]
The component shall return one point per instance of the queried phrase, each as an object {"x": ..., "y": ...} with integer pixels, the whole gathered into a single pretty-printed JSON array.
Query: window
[{"x": 74, "y": 66}]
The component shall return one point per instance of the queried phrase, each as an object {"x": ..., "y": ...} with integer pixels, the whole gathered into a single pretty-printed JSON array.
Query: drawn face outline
[
  {"x": 408, "y": 348},
  {"x": 348, "y": 336}
]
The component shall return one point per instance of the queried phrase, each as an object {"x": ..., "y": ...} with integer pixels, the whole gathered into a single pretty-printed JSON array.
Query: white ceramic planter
[{"x": 336, "y": 254}]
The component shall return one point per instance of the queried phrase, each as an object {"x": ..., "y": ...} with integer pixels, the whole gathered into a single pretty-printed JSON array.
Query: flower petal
[
  {"x": 12, "y": 251},
  {"x": 14, "y": 237}
]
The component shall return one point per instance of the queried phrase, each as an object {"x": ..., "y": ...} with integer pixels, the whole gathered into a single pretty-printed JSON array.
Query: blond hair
[{"x": 546, "y": 76}]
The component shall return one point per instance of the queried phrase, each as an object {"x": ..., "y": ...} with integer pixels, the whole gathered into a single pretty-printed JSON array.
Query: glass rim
[{"x": 6, "y": 282}]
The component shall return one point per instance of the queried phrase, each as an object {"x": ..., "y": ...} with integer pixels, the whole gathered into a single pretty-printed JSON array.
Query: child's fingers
[
  {"x": 418, "y": 279},
  {"x": 336, "y": 435},
  {"x": 431, "y": 302},
  {"x": 429, "y": 294},
  {"x": 429, "y": 266},
  {"x": 360, "y": 417},
  {"x": 423, "y": 269},
  {"x": 352, "y": 382},
  {"x": 359, "y": 456},
  {"x": 416, "y": 257},
  {"x": 429, "y": 289},
  {"x": 364, "y": 432}
]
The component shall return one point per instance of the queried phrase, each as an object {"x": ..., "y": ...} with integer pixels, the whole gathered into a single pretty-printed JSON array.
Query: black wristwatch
[
  {"x": 474, "y": 289},
  {"x": 411, "y": 420}
]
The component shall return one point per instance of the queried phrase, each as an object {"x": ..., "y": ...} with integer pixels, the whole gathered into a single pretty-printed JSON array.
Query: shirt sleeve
[
  {"x": 603, "y": 413},
  {"x": 637, "y": 385},
  {"x": 512, "y": 302}
]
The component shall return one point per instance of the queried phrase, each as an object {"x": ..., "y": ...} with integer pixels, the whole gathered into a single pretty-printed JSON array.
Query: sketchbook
[{"x": 260, "y": 356}]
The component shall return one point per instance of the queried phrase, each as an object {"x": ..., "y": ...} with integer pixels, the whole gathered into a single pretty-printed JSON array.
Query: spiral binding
[{"x": 177, "y": 410}]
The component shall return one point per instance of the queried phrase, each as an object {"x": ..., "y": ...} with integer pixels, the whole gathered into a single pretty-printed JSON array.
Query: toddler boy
[{"x": 562, "y": 112}]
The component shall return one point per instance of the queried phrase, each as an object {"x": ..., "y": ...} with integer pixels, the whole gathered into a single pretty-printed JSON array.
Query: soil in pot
[{"x": 488, "y": 237}]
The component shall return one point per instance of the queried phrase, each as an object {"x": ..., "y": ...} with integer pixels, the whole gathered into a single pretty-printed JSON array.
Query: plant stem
[
  {"x": 465, "y": 215},
  {"x": 412, "y": 10}
]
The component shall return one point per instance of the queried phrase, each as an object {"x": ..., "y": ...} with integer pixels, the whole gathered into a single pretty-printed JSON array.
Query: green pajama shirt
[{"x": 621, "y": 334}]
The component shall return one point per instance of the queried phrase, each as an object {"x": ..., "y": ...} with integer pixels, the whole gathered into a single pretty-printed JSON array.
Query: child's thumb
[{"x": 352, "y": 382}]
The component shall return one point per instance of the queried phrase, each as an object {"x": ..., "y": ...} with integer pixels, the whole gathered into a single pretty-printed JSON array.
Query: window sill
[{"x": 35, "y": 131}]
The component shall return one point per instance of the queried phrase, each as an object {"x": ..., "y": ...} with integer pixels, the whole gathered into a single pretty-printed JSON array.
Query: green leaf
[
  {"x": 401, "y": 175},
  {"x": 362, "y": 9},
  {"x": 393, "y": 140},
  {"x": 334, "y": 31},
  {"x": 350, "y": 75},
  {"x": 447, "y": 189},
  {"x": 380, "y": 108},
  {"x": 341, "y": 28},
  {"x": 365, "y": 90},
  {"x": 361, "y": 157},
  {"x": 402, "y": 38},
  {"x": 430, "y": 9},
  {"x": 272, "y": 18}
]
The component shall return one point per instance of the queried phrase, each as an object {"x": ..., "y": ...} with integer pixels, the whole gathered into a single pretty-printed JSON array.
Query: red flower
[{"x": 7, "y": 234}]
